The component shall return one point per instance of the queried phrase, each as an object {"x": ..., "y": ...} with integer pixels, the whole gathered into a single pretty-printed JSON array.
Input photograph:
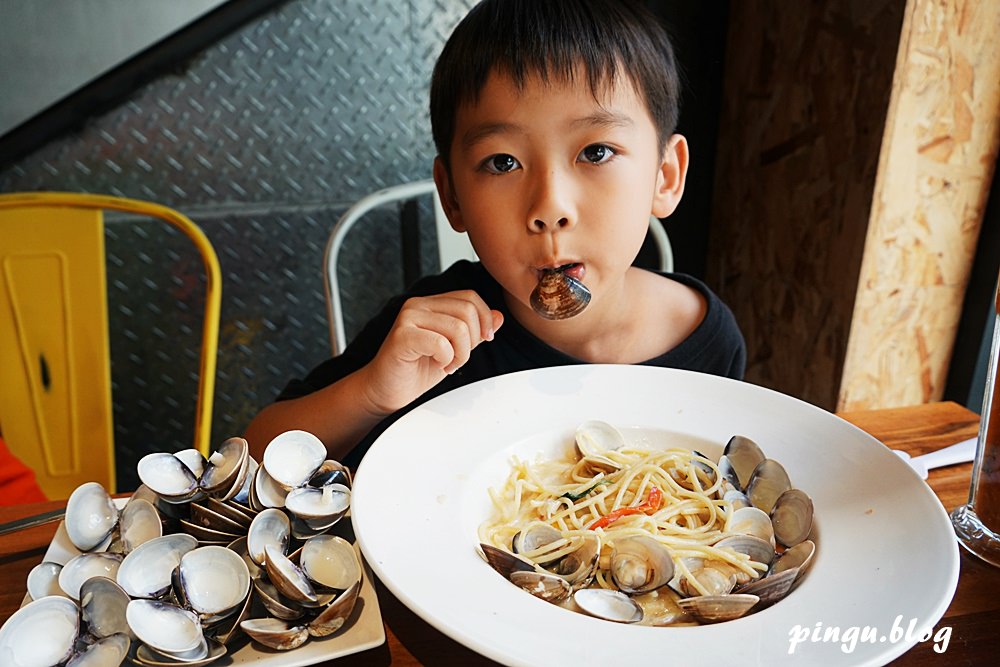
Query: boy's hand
[{"x": 432, "y": 337}]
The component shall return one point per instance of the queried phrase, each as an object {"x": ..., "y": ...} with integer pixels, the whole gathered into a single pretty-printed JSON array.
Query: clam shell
[
  {"x": 42, "y": 632},
  {"x": 225, "y": 466},
  {"x": 330, "y": 561},
  {"x": 640, "y": 564},
  {"x": 287, "y": 577},
  {"x": 743, "y": 455},
  {"x": 164, "y": 627},
  {"x": 80, "y": 568},
  {"x": 331, "y": 472},
  {"x": 718, "y": 608},
  {"x": 333, "y": 617},
  {"x": 146, "y": 571},
  {"x": 110, "y": 650},
  {"x": 102, "y": 607},
  {"x": 768, "y": 481},
  {"x": 608, "y": 604},
  {"x": 215, "y": 580},
  {"x": 329, "y": 502},
  {"x": 792, "y": 517},
  {"x": 752, "y": 521},
  {"x": 270, "y": 527},
  {"x": 544, "y": 585},
  {"x": 558, "y": 296},
  {"x": 148, "y": 657},
  {"x": 43, "y": 580},
  {"x": 91, "y": 515},
  {"x": 266, "y": 492},
  {"x": 140, "y": 522},
  {"x": 293, "y": 457},
  {"x": 275, "y": 633},
  {"x": 167, "y": 476}
]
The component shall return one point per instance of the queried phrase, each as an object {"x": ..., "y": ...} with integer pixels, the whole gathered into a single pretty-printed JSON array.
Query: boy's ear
[
  {"x": 447, "y": 195},
  {"x": 671, "y": 177}
]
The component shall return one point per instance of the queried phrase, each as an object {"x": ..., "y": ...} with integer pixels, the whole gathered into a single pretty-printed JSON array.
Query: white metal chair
[{"x": 452, "y": 246}]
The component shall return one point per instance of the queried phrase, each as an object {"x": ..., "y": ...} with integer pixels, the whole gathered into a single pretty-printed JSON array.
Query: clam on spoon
[{"x": 559, "y": 296}]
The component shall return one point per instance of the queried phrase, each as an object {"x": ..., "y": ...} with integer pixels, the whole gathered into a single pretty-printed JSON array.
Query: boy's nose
[{"x": 551, "y": 209}]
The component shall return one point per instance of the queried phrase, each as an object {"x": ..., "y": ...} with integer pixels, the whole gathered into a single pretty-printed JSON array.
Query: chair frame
[
  {"x": 213, "y": 280},
  {"x": 451, "y": 245}
]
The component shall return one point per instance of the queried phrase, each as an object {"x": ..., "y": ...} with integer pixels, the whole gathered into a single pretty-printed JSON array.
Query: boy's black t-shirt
[{"x": 716, "y": 346}]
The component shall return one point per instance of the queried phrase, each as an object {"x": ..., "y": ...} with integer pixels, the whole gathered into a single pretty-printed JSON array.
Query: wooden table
[{"x": 974, "y": 613}]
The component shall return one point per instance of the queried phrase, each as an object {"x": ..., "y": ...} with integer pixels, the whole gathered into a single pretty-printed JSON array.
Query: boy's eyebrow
[
  {"x": 605, "y": 118},
  {"x": 476, "y": 134}
]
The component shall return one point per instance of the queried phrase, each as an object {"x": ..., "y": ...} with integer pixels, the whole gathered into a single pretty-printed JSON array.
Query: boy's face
[{"x": 547, "y": 176}]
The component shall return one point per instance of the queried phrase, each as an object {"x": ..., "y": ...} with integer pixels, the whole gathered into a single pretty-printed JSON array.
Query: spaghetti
[{"x": 673, "y": 496}]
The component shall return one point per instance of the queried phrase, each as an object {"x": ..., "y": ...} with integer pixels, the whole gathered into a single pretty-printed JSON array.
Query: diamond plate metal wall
[{"x": 264, "y": 140}]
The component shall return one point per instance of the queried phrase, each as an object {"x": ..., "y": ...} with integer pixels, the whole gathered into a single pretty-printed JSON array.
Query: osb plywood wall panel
[
  {"x": 806, "y": 91},
  {"x": 938, "y": 158}
]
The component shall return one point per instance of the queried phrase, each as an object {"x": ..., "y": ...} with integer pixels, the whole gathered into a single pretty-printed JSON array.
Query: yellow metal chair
[{"x": 55, "y": 377}]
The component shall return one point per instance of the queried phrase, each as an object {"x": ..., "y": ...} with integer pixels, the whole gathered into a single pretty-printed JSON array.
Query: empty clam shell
[
  {"x": 110, "y": 650},
  {"x": 83, "y": 567},
  {"x": 226, "y": 467},
  {"x": 43, "y": 580},
  {"x": 293, "y": 457},
  {"x": 542, "y": 585},
  {"x": 270, "y": 527},
  {"x": 164, "y": 627},
  {"x": 91, "y": 515},
  {"x": 215, "y": 580},
  {"x": 102, "y": 607},
  {"x": 287, "y": 577},
  {"x": 330, "y": 561},
  {"x": 333, "y": 617},
  {"x": 140, "y": 522},
  {"x": 40, "y": 633},
  {"x": 265, "y": 492},
  {"x": 148, "y": 657},
  {"x": 743, "y": 455},
  {"x": 558, "y": 295},
  {"x": 275, "y": 633},
  {"x": 328, "y": 502},
  {"x": 167, "y": 476},
  {"x": 146, "y": 571},
  {"x": 608, "y": 604}
]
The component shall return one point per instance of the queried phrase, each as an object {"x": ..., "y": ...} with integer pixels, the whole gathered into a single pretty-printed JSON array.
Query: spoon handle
[
  {"x": 31, "y": 521},
  {"x": 958, "y": 453}
]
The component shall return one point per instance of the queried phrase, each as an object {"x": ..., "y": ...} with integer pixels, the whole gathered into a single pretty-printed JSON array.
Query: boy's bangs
[{"x": 557, "y": 41}]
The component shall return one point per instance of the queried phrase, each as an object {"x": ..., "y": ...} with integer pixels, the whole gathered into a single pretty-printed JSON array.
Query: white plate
[
  {"x": 363, "y": 630},
  {"x": 886, "y": 548}
]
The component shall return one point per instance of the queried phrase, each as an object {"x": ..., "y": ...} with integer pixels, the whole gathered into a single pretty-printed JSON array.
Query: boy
[{"x": 554, "y": 125}]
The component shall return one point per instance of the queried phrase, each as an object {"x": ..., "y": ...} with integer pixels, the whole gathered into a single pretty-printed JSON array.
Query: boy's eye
[
  {"x": 597, "y": 153},
  {"x": 500, "y": 164}
]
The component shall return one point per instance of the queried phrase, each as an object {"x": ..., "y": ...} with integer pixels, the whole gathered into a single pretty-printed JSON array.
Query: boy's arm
[
  {"x": 337, "y": 414},
  {"x": 432, "y": 336}
]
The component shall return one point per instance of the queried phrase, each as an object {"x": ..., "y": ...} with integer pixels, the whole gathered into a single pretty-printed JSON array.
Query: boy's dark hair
[{"x": 552, "y": 38}]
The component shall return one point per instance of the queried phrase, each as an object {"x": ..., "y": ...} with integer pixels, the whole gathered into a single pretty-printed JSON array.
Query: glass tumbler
[{"x": 977, "y": 524}]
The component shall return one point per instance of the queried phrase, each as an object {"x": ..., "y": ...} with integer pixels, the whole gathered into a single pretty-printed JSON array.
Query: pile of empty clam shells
[
  {"x": 205, "y": 554},
  {"x": 769, "y": 521}
]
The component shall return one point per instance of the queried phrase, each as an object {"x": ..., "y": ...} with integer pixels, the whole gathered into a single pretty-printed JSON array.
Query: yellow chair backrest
[{"x": 55, "y": 377}]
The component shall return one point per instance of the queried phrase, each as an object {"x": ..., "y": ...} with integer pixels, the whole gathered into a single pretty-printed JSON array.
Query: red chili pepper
[{"x": 652, "y": 504}]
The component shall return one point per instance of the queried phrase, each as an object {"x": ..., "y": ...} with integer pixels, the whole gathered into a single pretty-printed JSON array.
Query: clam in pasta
[{"x": 636, "y": 534}]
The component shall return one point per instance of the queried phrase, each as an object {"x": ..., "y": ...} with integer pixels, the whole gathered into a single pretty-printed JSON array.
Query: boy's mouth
[{"x": 573, "y": 269}]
